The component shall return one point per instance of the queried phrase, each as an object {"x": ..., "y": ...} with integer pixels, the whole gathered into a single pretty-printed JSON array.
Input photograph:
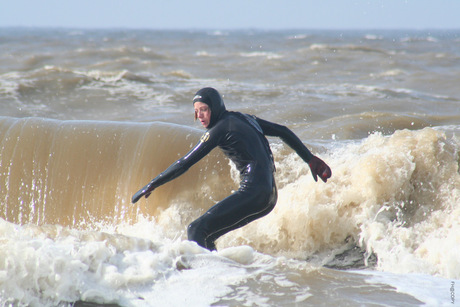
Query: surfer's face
[{"x": 203, "y": 113}]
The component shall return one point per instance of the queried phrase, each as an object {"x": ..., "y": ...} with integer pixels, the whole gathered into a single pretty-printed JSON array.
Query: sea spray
[{"x": 395, "y": 196}]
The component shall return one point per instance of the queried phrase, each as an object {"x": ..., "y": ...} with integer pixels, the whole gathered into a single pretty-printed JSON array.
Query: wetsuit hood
[{"x": 213, "y": 99}]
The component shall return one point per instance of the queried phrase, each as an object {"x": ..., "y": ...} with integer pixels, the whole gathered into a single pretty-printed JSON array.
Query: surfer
[{"x": 242, "y": 138}]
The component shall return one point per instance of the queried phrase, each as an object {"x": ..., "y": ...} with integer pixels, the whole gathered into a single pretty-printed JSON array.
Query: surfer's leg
[
  {"x": 197, "y": 231},
  {"x": 233, "y": 212}
]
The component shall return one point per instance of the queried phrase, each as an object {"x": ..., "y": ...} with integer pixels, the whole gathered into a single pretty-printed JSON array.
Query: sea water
[{"x": 90, "y": 116}]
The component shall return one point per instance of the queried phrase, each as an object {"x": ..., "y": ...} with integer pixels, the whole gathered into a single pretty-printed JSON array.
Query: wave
[
  {"x": 267, "y": 55},
  {"x": 69, "y": 232},
  {"x": 56, "y": 266},
  {"x": 393, "y": 196},
  {"x": 54, "y": 80},
  {"x": 72, "y": 172},
  {"x": 64, "y": 93},
  {"x": 361, "y": 125},
  {"x": 358, "y": 48}
]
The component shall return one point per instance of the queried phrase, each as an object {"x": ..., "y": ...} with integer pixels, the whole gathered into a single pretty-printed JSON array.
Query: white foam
[
  {"x": 50, "y": 265},
  {"x": 268, "y": 55},
  {"x": 395, "y": 196}
]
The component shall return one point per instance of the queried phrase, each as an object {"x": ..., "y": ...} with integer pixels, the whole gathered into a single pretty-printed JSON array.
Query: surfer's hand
[
  {"x": 145, "y": 191},
  {"x": 319, "y": 168}
]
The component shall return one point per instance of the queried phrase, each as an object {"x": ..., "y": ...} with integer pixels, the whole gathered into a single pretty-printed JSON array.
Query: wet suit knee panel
[{"x": 196, "y": 232}]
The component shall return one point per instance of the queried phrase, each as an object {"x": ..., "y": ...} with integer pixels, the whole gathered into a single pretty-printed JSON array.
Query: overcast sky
[{"x": 232, "y": 14}]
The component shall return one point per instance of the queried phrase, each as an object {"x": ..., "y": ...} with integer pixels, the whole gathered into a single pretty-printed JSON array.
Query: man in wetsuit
[{"x": 242, "y": 138}]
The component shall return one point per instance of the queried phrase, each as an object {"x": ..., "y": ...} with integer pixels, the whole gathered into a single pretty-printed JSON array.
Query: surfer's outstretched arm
[
  {"x": 177, "y": 168},
  {"x": 317, "y": 166},
  {"x": 174, "y": 171}
]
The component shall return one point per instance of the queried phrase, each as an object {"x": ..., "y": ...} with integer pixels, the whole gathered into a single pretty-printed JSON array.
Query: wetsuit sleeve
[
  {"x": 287, "y": 136},
  {"x": 179, "y": 167},
  {"x": 183, "y": 164}
]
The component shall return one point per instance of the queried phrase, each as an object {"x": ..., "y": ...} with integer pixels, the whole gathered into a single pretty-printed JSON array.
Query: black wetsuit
[{"x": 242, "y": 138}]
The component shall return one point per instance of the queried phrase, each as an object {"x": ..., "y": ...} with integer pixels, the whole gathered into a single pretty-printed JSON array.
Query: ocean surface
[{"x": 88, "y": 117}]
